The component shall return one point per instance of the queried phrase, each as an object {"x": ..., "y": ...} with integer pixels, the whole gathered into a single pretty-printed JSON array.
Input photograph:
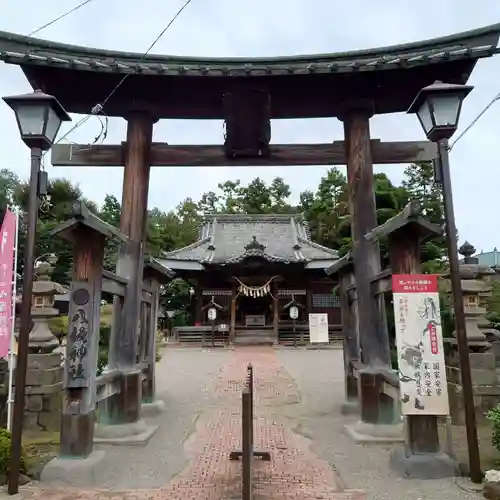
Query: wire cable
[
  {"x": 99, "y": 108},
  {"x": 478, "y": 117},
  {"x": 177, "y": 14},
  {"x": 62, "y": 16}
]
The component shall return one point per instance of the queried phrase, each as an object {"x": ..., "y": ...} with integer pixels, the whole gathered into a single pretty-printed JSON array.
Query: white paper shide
[{"x": 419, "y": 339}]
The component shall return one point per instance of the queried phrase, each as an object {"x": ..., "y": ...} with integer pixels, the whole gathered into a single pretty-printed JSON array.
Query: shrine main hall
[{"x": 253, "y": 268}]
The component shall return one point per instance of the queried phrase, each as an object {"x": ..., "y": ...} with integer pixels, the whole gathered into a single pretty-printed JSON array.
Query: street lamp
[
  {"x": 212, "y": 315},
  {"x": 39, "y": 117},
  {"x": 438, "y": 108},
  {"x": 294, "y": 314}
]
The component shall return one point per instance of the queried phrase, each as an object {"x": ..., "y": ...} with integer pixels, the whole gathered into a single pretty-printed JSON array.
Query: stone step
[
  {"x": 254, "y": 340},
  {"x": 254, "y": 333}
]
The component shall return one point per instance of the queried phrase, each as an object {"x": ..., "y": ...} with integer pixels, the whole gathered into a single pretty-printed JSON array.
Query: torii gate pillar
[
  {"x": 126, "y": 408},
  {"x": 373, "y": 335}
]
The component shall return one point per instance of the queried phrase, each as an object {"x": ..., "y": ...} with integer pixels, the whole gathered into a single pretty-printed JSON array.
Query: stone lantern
[
  {"x": 42, "y": 340},
  {"x": 44, "y": 374},
  {"x": 475, "y": 291}
]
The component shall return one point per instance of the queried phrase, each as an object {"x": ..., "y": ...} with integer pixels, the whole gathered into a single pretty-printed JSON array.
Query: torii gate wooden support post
[
  {"x": 154, "y": 276},
  {"x": 126, "y": 409},
  {"x": 88, "y": 235},
  {"x": 421, "y": 458},
  {"x": 373, "y": 335},
  {"x": 350, "y": 326},
  {"x": 342, "y": 271}
]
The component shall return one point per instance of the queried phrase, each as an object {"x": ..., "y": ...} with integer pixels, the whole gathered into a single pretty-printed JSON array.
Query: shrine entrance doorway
[{"x": 254, "y": 312}]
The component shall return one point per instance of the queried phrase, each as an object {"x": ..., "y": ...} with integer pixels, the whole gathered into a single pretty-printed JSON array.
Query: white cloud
[{"x": 265, "y": 28}]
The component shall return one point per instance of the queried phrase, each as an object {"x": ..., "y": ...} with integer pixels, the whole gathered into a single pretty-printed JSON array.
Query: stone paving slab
[{"x": 294, "y": 472}]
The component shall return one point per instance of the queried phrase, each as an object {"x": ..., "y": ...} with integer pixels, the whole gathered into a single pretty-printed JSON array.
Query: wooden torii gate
[
  {"x": 358, "y": 152},
  {"x": 247, "y": 93}
]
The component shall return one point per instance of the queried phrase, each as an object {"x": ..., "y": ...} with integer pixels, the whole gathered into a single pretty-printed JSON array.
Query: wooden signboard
[{"x": 419, "y": 339}]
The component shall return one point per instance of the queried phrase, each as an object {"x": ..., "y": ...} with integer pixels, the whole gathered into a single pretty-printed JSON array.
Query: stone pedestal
[
  {"x": 121, "y": 422},
  {"x": 380, "y": 416}
]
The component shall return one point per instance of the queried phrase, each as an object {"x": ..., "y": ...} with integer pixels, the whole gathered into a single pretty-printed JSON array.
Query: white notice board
[{"x": 318, "y": 328}]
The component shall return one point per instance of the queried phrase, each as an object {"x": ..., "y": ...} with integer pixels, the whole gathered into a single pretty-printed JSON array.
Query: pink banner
[{"x": 7, "y": 251}]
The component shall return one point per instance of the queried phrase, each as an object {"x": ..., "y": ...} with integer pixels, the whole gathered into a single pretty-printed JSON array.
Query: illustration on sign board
[
  {"x": 428, "y": 309},
  {"x": 419, "y": 343},
  {"x": 410, "y": 362}
]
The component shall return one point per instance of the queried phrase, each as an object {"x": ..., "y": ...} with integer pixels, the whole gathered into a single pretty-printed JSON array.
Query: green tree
[
  {"x": 327, "y": 211},
  {"x": 229, "y": 200},
  {"x": 255, "y": 198},
  {"x": 189, "y": 221},
  {"x": 420, "y": 186},
  {"x": 110, "y": 212},
  {"x": 9, "y": 185},
  {"x": 54, "y": 209}
]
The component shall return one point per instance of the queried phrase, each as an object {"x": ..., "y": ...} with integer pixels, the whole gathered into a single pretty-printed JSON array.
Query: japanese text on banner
[{"x": 7, "y": 253}]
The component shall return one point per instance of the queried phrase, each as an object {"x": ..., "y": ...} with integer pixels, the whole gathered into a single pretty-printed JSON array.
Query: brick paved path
[{"x": 294, "y": 471}]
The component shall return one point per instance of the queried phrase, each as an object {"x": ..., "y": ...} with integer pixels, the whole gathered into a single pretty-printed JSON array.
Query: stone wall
[{"x": 43, "y": 400}]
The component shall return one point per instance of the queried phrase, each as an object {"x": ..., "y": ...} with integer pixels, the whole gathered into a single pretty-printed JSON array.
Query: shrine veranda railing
[{"x": 287, "y": 335}]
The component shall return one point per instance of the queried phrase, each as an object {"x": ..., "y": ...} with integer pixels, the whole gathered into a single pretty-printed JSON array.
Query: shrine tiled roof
[
  {"x": 230, "y": 239},
  {"x": 28, "y": 51}
]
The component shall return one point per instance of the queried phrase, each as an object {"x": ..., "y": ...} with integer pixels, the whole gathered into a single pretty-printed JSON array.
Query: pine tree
[{"x": 420, "y": 186}]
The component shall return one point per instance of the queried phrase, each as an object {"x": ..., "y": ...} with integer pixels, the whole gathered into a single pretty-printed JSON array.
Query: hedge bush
[
  {"x": 494, "y": 417},
  {"x": 5, "y": 443}
]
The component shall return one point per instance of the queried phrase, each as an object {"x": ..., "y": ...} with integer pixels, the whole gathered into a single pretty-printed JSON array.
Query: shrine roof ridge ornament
[
  {"x": 255, "y": 245},
  {"x": 25, "y": 50}
]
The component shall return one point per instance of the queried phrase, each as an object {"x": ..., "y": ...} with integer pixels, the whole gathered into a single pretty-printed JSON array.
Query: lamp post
[
  {"x": 39, "y": 117},
  {"x": 294, "y": 314},
  {"x": 438, "y": 108},
  {"x": 212, "y": 314}
]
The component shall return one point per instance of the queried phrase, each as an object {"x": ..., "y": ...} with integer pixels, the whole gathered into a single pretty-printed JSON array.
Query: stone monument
[
  {"x": 44, "y": 374},
  {"x": 475, "y": 291}
]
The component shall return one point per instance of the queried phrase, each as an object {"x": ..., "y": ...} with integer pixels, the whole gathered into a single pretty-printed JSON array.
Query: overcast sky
[{"x": 269, "y": 28}]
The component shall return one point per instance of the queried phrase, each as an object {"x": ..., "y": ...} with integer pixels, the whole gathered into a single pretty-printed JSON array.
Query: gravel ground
[
  {"x": 319, "y": 376},
  {"x": 182, "y": 378}
]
